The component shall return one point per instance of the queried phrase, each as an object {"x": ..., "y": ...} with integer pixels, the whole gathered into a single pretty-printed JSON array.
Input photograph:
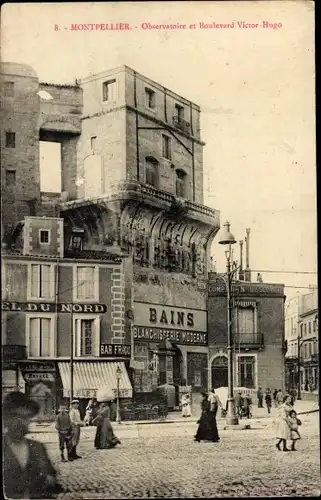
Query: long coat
[
  {"x": 282, "y": 424},
  {"x": 30, "y": 481},
  {"x": 105, "y": 437}
]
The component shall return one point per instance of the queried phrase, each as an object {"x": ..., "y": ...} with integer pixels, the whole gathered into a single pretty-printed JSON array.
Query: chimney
[
  {"x": 247, "y": 255},
  {"x": 241, "y": 271}
]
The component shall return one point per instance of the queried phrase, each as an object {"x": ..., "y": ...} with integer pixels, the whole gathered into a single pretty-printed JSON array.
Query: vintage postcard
[{"x": 159, "y": 240}]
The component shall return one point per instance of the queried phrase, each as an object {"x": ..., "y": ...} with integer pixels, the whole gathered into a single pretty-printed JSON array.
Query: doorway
[{"x": 219, "y": 372}]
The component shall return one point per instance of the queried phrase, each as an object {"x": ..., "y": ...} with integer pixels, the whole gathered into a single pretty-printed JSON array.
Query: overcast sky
[{"x": 255, "y": 88}]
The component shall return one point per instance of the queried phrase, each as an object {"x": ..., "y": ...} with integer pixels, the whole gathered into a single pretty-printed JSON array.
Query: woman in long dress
[
  {"x": 207, "y": 428},
  {"x": 105, "y": 437},
  {"x": 282, "y": 423},
  {"x": 186, "y": 405}
]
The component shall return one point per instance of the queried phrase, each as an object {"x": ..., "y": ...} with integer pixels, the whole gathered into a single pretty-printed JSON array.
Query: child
[
  {"x": 294, "y": 426},
  {"x": 63, "y": 426}
]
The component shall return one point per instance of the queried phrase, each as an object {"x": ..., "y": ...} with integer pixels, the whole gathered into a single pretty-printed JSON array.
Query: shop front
[
  {"x": 12, "y": 379},
  {"x": 40, "y": 385},
  {"x": 171, "y": 346}
]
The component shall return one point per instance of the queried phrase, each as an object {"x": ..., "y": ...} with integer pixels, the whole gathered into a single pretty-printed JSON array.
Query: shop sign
[
  {"x": 52, "y": 307},
  {"x": 39, "y": 367},
  {"x": 39, "y": 376},
  {"x": 219, "y": 288},
  {"x": 115, "y": 350},
  {"x": 170, "y": 317},
  {"x": 92, "y": 393},
  {"x": 175, "y": 336}
]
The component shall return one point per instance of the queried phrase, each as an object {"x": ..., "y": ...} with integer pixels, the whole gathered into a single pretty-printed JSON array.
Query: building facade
[
  {"x": 258, "y": 334},
  {"x": 62, "y": 311},
  {"x": 132, "y": 183}
]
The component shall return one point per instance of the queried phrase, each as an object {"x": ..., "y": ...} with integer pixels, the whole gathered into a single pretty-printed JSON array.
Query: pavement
[{"x": 163, "y": 461}]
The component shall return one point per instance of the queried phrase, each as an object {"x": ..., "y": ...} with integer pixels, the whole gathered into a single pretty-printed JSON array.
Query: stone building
[
  {"x": 50, "y": 288},
  {"x": 257, "y": 329},
  {"x": 132, "y": 181}
]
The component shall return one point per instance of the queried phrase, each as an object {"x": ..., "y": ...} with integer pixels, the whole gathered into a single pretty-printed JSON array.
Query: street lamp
[
  {"x": 118, "y": 375},
  {"x": 227, "y": 238}
]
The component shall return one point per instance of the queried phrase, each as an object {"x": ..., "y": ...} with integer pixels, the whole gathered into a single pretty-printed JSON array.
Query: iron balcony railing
[{"x": 248, "y": 339}]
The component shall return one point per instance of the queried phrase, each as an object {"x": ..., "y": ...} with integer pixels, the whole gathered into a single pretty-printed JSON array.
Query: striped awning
[{"x": 89, "y": 376}]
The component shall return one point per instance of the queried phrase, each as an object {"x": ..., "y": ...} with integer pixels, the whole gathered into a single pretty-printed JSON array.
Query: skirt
[{"x": 282, "y": 429}]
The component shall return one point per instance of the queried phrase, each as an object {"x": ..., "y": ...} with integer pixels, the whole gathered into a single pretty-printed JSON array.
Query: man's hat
[
  {"x": 15, "y": 400},
  {"x": 75, "y": 401}
]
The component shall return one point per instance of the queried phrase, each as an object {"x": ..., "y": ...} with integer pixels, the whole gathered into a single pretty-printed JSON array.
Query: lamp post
[
  {"x": 227, "y": 238},
  {"x": 118, "y": 375}
]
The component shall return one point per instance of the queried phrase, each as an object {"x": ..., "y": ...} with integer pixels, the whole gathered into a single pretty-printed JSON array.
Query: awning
[{"x": 90, "y": 376}]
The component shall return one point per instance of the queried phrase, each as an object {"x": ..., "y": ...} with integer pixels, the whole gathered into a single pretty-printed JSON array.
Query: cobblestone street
[{"x": 163, "y": 461}]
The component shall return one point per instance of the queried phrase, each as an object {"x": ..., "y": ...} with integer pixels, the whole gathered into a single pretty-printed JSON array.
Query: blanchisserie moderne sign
[{"x": 52, "y": 307}]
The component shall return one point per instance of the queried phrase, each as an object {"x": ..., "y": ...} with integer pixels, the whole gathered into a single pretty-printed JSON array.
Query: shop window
[
  {"x": 10, "y": 178},
  {"x": 109, "y": 91},
  {"x": 166, "y": 147},
  {"x": 151, "y": 171},
  {"x": 9, "y": 89},
  {"x": 149, "y": 98},
  {"x": 246, "y": 371},
  {"x": 40, "y": 337},
  {"x": 181, "y": 183},
  {"x": 87, "y": 337},
  {"x": 41, "y": 281},
  {"x": 86, "y": 285},
  {"x": 44, "y": 236},
  {"x": 10, "y": 139}
]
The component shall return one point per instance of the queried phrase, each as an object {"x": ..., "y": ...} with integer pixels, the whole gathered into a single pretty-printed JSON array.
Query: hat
[
  {"x": 15, "y": 400},
  {"x": 75, "y": 401}
]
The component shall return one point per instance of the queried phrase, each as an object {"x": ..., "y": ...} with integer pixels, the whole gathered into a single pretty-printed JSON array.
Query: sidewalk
[{"x": 301, "y": 407}]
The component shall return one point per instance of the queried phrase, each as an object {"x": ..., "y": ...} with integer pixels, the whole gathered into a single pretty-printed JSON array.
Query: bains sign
[{"x": 52, "y": 307}]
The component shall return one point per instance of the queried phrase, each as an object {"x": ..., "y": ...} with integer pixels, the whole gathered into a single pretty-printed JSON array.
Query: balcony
[
  {"x": 181, "y": 124},
  {"x": 249, "y": 340}
]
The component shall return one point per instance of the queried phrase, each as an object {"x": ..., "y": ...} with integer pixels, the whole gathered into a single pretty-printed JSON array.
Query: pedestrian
[
  {"x": 247, "y": 406},
  {"x": 207, "y": 430},
  {"x": 268, "y": 400},
  {"x": 274, "y": 397},
  {"x": 279, "y": 398},
  {"x": 282, "y": 423},
  {"x": 238, "y": 401},
  {"x": 105, "y": 437},
  {"x": 215, "y": 402},
  {"x": 186, "y": 405},
  {"x": 260, "y": 397},
  {"x": 27, "y": 470},
  {"x": 89, "y": 412},
  {"x": 294, "y": 428},
  {"x": 63, "y": 426},
  {"x": 76, "y": 423}
]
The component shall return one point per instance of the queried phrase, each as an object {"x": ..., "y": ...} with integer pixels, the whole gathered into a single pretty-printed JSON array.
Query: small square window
[
  {"x": 150, "y": 98},
  {"x": 10, "y": 140},
  {"x": 109, "y": 90},
  {"x": 44, "y": 236},
  {"x": 8, "y": 89},
  {"x": 10, "y": 177}
]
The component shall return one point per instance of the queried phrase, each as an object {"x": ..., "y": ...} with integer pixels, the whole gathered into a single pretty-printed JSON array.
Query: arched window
[
  {"x": 180, "y": 183},
  {"x": 151, "y": 171}
]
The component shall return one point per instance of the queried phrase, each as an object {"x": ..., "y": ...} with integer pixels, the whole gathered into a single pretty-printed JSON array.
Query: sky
[{"x": 255, "y": 87}]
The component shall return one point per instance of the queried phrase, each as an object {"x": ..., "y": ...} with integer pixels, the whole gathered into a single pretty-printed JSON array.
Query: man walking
[
  {"x": 268, "y": 400},
  {"x": 76, "y": 423},
  {"x": 260, "y": 397}
]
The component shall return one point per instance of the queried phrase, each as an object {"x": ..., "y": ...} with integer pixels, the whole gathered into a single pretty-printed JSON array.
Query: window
[
  {"x": 109, "y": 90},
  {"x": 93, "y": 141},
  {"x": 179, "y": 113},
  {"x": 150, "y": 98},
  {"x": 301, "y": 330},
  {"x": 86, "y": 286},
  {"x": 314, "y": 326},
  {"x": 166, "y": 147},
  {"x": 310, "y": 349},
  {"x": 310, "y": 328},
  {"x": 246, "y": 320},
  {"x": 76, "y": 242},
  {"x": 44, "y": 236},
  {"x": 151, "y": 171},
  {"x": 10, "y": 139},
  {"x": 41, "y": 281},
  {"x": 87, "y": 336},
  {"x": 40, "y": 336},
  {"x": 8, "y": 89},
  {"x": 10, "y": 177},
  {"x": 305, "y": 329},
  {"x": 180, "y": 183},
  {"x": 246, "y": 372}
]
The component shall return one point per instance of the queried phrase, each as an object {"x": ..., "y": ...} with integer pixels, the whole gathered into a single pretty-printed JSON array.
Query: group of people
[
  {"x": 68, "y": 426},
  {"x": 276, "y": 398},
  {"x": 207, "y": 426},
  {"x": 287, "y": 425}
]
